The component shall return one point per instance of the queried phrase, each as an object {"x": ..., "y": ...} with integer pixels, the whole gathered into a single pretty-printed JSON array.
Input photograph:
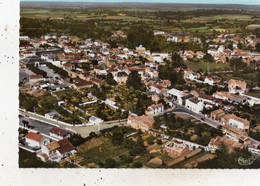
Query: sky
[{"x": 246, "y": 2}]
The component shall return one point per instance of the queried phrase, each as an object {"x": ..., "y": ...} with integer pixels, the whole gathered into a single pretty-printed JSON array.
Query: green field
[
  {"x": 230, "y": 17},
  {"x": 196, "y": 66},
  {"x": 199, "y": 28}
]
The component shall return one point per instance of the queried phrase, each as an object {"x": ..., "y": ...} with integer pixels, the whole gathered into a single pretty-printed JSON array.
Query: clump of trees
[
  {"x": 57, "y": 70},
  {"x": 110, "y": 80},
  {"x": 134, "y": 80},
  {"x": 36, "y": 70}
]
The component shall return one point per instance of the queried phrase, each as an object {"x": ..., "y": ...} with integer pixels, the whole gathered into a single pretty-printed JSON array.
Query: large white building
[
  {"x": 236, "y": 122},
  {"x": 178, "y": 96},
  {"x": 194, "y": 105}
]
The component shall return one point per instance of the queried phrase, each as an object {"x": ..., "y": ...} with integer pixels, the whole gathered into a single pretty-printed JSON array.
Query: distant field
[
  {"x": 195, "y": 66},
  {"x": 199, "y": 28},
  {"x": 124, "y": 18},
  {"x": 229, "y": 17},
  {"x": 34, "y": 11}
]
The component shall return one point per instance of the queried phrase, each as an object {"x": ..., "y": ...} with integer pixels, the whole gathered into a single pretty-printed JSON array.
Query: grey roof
[
  {"x": 32, "y": 60},
  {"x": 121, "y": 74}
]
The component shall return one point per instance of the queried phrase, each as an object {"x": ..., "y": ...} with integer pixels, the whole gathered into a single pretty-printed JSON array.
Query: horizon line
[{"x": 138, "y": 2}]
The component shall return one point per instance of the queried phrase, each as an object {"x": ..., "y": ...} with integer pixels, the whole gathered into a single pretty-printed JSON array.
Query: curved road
[{"x": 180, "y": 109}]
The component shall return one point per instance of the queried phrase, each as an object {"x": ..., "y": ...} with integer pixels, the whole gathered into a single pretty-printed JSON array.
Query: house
[
  {"x": 156, "y": 97},
  {"x": 140, "y": 49},
  {"x": 96, "y": 81},
  {"x": 120, "y": 77},
  {"x": 222, "y": 95},
  {"x": 102, "y": 72},
  {"x": 211, "y": 81},
  {"x": 154, "y": 109},
  {"x": 35, "y": 140},
  {"x": 236, "y": 86},
  {"x": 178, "y": 96},
  {"x": 207, "y": 99},
  {"x": 78, "y": 83},
  {"x": 143, "y": 122},
  {"x": 57, "y": 151},
  {"x": 160, "y": 89},
  {"x": 95, "y": 120},
  {"x": 59, "y": 133},
  {"x": 172, "y": 39},
  {"x": 51, "y": 115},
  {"x": 194, "y": 104},
  {"x": 230, "y": 145},
  {"x": 191, "y": 76},
  {"x": 237, "y": 99},
  {"x": 176, "y": 147},
  {"x": 236, "y": 122},
  {"x": 217, "y": 114},
  {"x": 34, "y": 78}
]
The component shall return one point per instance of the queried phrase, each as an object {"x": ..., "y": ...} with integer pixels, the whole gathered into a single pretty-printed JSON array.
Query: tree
[
  {"x": 110, "y": 80},
  {"x": 257, "y": 47},
  {"x": 159, "y": 142},
  {"x": 208, "y": 58},
  {"x": 134, "y": 80},
  {"x": 118, "y": 99},
  {"x": 237, "y": 64},
  {"x": 76, "y": 139},
  {"x": 258, "y": 78}
]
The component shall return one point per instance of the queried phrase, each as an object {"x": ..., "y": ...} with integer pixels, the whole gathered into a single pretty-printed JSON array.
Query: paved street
[
  {"x": 49, "y": 71},
  {"x": 42, "y": 127},
  {"x": 82, "y": 130},
  {"x": 180, "y": 109}
]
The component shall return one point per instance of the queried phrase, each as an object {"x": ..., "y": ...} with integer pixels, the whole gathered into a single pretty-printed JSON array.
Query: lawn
[{"x": 195, "y": 66}]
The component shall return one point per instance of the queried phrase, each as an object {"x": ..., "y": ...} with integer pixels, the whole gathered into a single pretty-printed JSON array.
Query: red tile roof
[
  {"x": 34, "y": 136},
  {"x": 65, "y": 146},
  {"x": 58, "y": 131},
  {"x": 36, "y": 76},
  {"x": 80, "y": 82}
]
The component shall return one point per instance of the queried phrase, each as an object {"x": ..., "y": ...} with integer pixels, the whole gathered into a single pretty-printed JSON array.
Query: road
[
  {"x": 42, "y": 127},
  {"x": 180, "y": 109},
  {"x": 45, "y": 125}
]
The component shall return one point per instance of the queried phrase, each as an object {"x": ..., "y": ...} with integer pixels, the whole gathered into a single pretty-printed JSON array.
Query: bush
[
  {"x": 110, "y": 163},
  {"x": 137, "y": 164},
  {"x": 159, "y": 142}
]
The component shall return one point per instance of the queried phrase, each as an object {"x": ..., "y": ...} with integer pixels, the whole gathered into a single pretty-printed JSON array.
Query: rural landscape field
[{"x": 139, "y": 86}]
